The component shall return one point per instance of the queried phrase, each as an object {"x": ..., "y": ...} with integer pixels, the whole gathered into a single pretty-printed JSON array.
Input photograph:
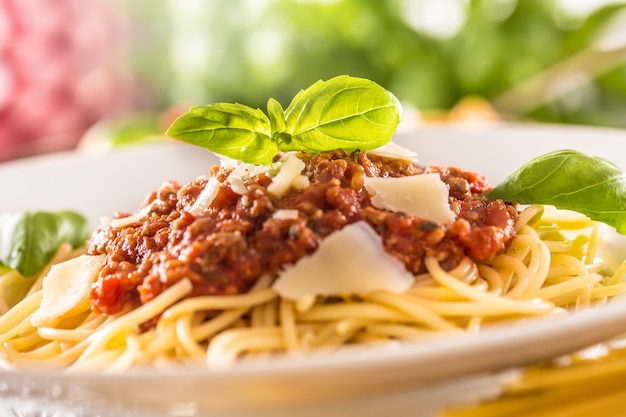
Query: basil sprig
[
  {"x": 570, "y": 180},
  {"x": 344, "y": 112},
  {"x": 29, "y": 240}
]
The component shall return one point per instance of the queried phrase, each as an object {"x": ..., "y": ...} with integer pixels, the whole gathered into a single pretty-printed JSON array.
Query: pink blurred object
[{"x": 60, "y": 72}]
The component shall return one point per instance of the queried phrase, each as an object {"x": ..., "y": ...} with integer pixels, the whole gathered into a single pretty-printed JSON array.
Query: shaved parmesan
[
  {"x": 286, "y": 214},
  {"x": 424, "y": 196},
  {"x": 65, "y": 287},
  {"x": 241, "y": 173},
  {"x": 289, "y": 171},
  {"x": 351, "y": 261},
  {"x": 301, "y": 182},
  {"x": 393, "y": 150},
  {"x": 284, "y": 174},
  {"x": 237, "y": 184},
  {"x": 206, "y": 197},
  {"x": 133, "y": 218}
]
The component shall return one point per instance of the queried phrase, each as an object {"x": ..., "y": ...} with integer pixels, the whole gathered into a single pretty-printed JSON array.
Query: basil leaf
[
  {"x": 342, "y": 113},
  {"x": 278, "y": 124},
  {"x": 570, "y": 180},
  {"x": 277, "y": 115},
  {"x": 233, "y": 130},
  {"x": 29, "y": 240}
]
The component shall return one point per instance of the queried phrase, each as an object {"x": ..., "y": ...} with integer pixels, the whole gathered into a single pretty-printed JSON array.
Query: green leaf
[
  {"x": 29, "y": 240},
  {"x": 277, "y": 116},
  {"x": 570, "y": 180},
  {"x": 233, "y": 130},
  {"x": 278, "y": 124},
  {"x": 342, "y": 113}
]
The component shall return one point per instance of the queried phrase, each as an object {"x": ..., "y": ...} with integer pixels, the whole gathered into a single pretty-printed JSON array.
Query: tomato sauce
[{"x": 226, "y": 249}]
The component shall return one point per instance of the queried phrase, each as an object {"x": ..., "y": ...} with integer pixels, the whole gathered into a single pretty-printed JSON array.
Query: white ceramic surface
[{"x": 409, "y": 380}]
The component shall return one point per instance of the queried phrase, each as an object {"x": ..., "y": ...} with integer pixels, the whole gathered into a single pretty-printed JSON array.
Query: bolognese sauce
[{"x": 240, "y": 237}]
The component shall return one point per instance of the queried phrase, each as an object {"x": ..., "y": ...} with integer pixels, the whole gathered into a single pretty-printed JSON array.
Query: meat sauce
[{"x": 238, "y": 238}]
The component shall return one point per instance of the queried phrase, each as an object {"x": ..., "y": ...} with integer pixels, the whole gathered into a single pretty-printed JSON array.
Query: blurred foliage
[{"x": 249, "y": 50}]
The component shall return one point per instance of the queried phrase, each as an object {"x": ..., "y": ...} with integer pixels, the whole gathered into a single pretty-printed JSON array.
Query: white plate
[{"x": 368, "y": 382}]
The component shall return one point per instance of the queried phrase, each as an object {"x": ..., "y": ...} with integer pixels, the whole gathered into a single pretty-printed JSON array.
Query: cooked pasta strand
[{"x": 549, "y": 266}]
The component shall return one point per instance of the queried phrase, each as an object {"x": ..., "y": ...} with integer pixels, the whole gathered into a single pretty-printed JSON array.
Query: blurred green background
[
  {"x": 553, "y": 61},
  {"x": 130, "y": 66}
]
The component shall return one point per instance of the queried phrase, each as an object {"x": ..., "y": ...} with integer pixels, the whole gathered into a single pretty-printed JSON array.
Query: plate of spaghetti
[{"x": 322, "y": 281}]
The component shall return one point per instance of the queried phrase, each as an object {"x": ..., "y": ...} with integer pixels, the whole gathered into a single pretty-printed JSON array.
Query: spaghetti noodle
[{"x": 550, "y": 265}]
